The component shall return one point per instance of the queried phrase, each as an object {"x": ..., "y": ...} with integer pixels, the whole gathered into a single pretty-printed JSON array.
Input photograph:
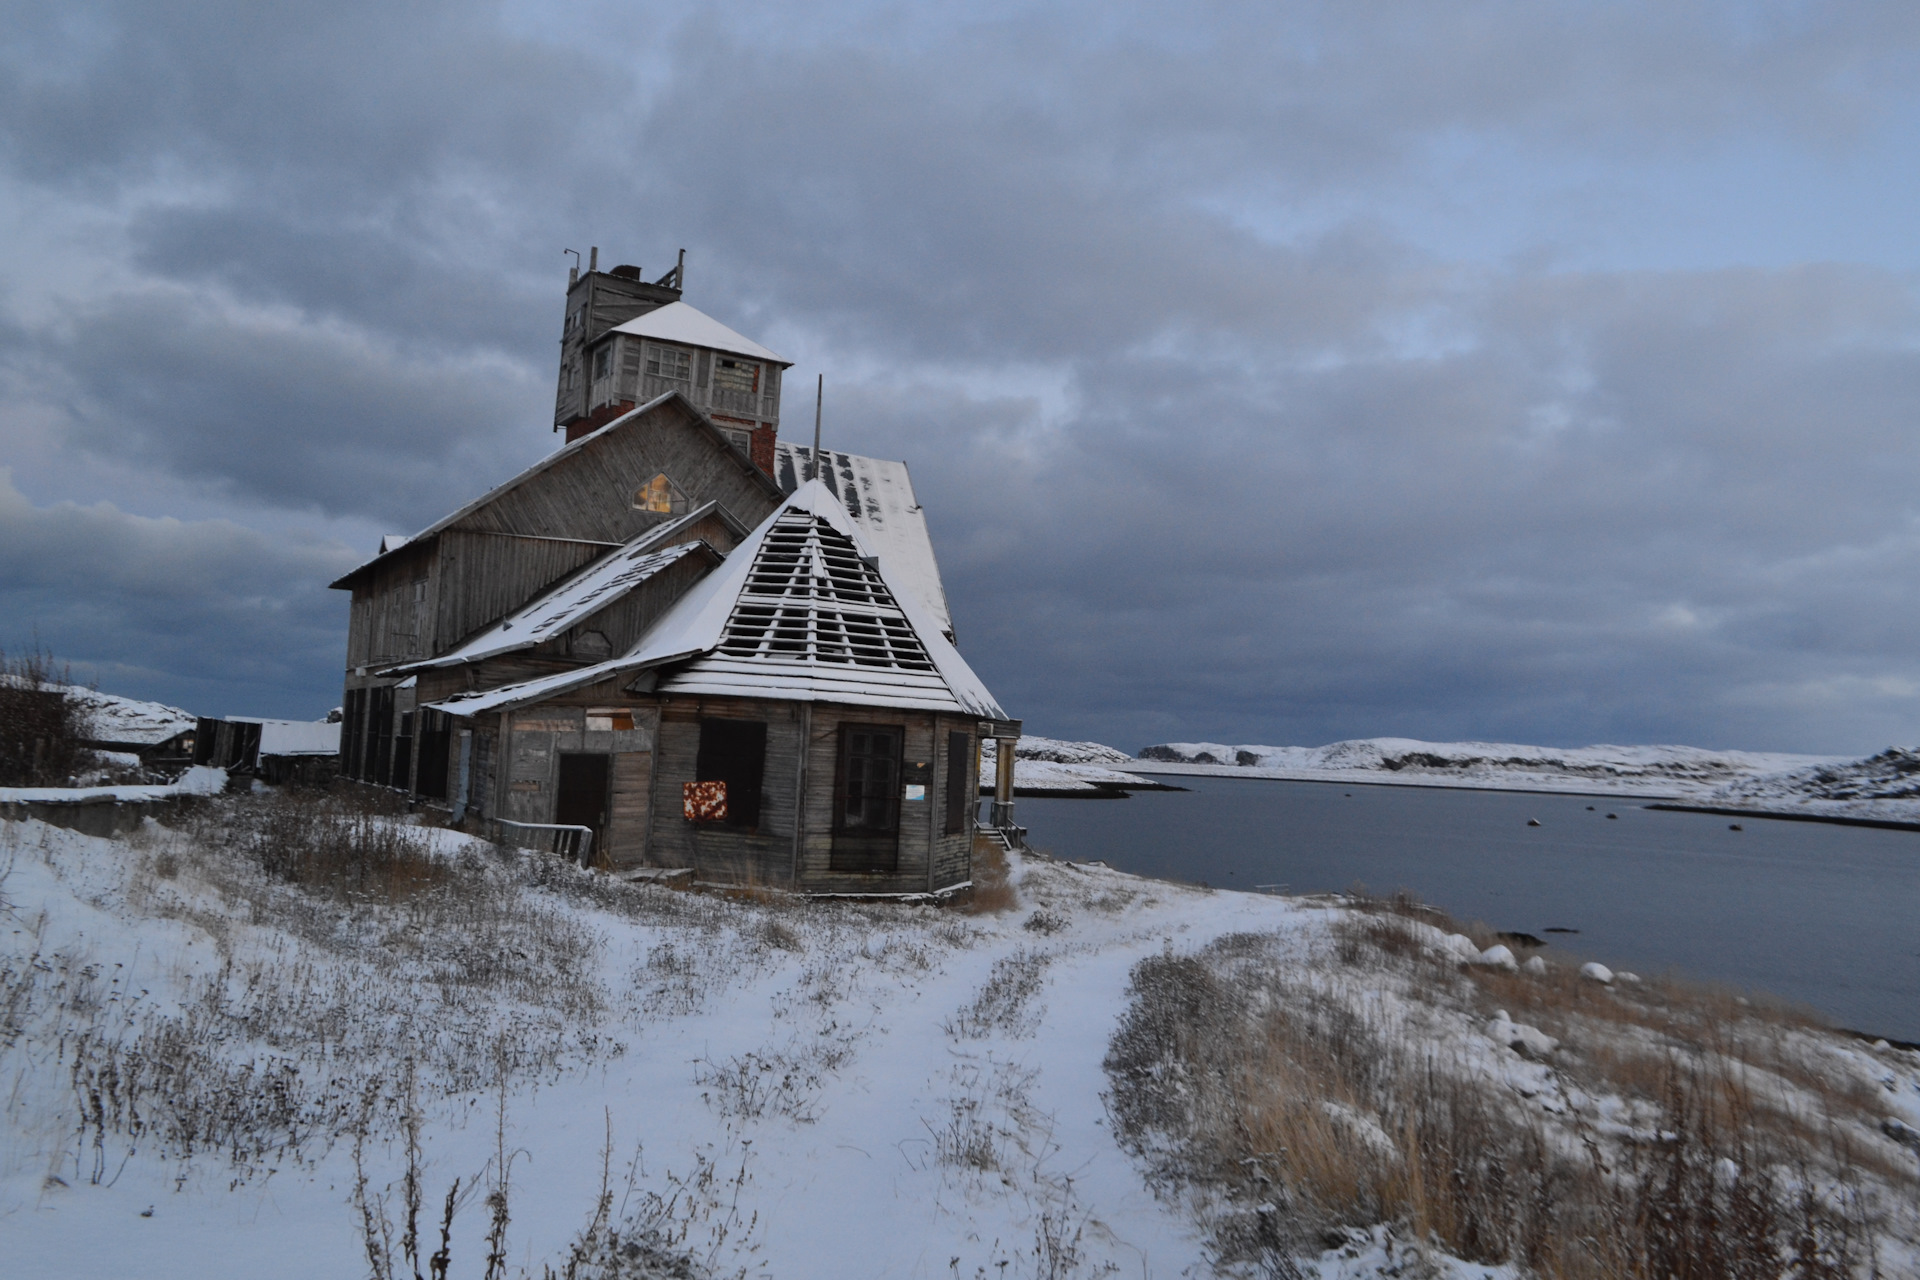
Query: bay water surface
[{"x": 1822, "y": 914}]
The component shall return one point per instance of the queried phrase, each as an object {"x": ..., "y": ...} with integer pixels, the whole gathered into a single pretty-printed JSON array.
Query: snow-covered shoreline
[{"x": 1879, "y": 790}]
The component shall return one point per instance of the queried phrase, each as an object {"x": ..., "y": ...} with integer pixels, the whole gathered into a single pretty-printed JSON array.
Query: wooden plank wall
[
  {"x": 485, "y": 576},
  {"x": 632, "y": 793},
  {"x": 716, "y": 851},
  {"x": 589, "y": 493},
  {"x": 625, "y": 620},
  {"x": 917, "y": 818},
  {"x": 952, "y": 855}
]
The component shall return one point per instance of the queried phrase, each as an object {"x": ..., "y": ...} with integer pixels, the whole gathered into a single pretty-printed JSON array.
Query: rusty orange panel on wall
[{"x": 705, "y": 801}]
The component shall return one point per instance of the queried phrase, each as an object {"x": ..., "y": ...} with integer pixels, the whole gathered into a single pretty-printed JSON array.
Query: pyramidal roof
[
  {"x": 678, "y": 322},
  {"x": 802, "y": 609}
]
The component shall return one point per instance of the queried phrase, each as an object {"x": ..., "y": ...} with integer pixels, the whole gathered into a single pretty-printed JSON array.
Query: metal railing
[{"x": 573, "y": 843}]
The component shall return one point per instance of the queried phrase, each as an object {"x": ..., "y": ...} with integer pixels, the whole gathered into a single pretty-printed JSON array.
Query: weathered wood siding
[
  {"x": 713, "y": 850},
  {"x": 391, "y": 618},
  {"x": 486, "y": 575},
  {"x": 952, "y": 854},
  {"x": 588, "y": 494},
  {"x": 922, "y": 852}
]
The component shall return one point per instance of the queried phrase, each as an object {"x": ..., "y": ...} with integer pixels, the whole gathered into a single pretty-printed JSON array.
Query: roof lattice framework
[{"x": 811, "y": 598}]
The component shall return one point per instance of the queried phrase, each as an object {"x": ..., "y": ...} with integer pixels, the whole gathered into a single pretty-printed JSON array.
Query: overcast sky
[{"x": 1271, "y": 373}]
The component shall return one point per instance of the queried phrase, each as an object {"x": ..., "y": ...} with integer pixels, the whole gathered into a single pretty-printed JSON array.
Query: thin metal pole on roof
[{"x": 819, "y": 395}]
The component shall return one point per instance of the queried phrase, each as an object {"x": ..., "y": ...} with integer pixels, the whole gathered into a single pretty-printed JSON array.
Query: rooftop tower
[{"x": 626, "y": 341}]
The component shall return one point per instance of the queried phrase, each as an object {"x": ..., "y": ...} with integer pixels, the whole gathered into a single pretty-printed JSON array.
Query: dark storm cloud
[
  {"x": 1209, "y": 449},
  {"x": 205, "y": 614}
]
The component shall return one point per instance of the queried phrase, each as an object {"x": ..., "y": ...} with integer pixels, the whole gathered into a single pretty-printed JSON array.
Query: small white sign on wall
[{"x": 916, "y": 791}]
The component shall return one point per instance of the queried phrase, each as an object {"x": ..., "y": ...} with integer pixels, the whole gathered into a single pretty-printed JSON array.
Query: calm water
[{"x": 1824, "y": 914}]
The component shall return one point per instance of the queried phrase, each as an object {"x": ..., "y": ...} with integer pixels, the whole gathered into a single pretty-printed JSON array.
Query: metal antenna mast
[{"x": 819, "y": 394}]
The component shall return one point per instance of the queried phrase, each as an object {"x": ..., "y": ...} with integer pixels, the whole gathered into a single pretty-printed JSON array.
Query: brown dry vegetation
[{"x": 1731, "y": 1142}]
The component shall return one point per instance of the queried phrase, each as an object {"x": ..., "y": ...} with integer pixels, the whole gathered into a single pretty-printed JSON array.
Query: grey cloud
[
  {"x": 296, "y": 414},
  {"x": 205, "y": 614},
  {"x": 1303, "y": 486}
]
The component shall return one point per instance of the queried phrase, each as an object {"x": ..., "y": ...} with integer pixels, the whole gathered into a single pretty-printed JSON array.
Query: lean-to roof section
[
  {"x": 878, "y": 494},
  {"x": 678, "y": 322},
  {"x": 804, "y": 609},
  {"x": 573, "y": 601}
]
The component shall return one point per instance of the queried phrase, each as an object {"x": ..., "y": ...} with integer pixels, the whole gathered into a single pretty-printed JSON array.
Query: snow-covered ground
[
  {"x": 767, "y": 1086},
  {"x": 198, "y": 780}
]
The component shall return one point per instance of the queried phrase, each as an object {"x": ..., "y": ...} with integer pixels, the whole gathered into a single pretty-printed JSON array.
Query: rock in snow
[
  {"x": 1597, "y": 971},
  {"x": 1499, "y": 957}
]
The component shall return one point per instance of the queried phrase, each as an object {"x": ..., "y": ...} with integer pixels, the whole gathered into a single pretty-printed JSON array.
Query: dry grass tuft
[
  {"x": 992, "y": 890},
  {"x": 1726, "y": 1149}
]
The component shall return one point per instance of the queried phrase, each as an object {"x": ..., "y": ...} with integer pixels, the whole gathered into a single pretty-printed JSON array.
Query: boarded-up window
[
  {"x": 660, "y": 495},
  {"x": 734, "y": 752},
  {"x": 960, "y": 797},
  {"x": 736, "y": 375}
]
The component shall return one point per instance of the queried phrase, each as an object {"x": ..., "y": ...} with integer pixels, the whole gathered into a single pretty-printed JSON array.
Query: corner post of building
[{"x": 1006, "y": 736}]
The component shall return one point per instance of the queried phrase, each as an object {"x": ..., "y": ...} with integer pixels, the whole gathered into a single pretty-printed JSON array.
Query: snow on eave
[
  {"x": 690, "y": 326},
  {"x": 573, "y": 601},
  {"x": 346, "y": 580}
]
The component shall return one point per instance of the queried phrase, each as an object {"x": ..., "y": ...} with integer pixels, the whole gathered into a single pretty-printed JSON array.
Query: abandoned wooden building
[{"x": 694, "y": 645}]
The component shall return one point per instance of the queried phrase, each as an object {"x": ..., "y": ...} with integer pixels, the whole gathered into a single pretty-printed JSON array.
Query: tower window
[
  {"x": 668, "y": 362},
  {"x": 736, "y": 375},
  {"x": 603, "y": 361},
  {"x": 660, "y": 495}
]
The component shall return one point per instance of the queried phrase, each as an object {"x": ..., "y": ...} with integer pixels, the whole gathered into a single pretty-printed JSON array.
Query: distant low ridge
[{"x": 1879, "y": 788}]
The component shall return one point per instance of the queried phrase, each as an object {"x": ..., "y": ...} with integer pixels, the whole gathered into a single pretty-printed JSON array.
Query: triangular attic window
[
  {"x": 662, "y": 495},
  {"x": 810, "y": 598}
]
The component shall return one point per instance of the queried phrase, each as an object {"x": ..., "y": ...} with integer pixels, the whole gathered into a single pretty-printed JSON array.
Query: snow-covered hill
[
  {"x": 1051, "y": 767},
  {"x": 112, "y": 718},
  {"x": 1665, "y": 772},
  {"x": 1881, "y": 788}
]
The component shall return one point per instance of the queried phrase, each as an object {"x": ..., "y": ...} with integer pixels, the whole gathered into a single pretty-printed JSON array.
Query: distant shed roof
[
  {"x": 295, "y": 737},
  {"x": 678, "y": 322}
]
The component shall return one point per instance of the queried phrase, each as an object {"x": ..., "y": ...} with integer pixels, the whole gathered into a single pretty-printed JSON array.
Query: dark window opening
[
  {"x": 734, "y": 752},
  {"x": 960, "y": 797},
  {"x": 602, "y": 361},
  {"x": 436, "y": 738},
  {"x": 403, "y": 753},
  {"x": 866, "y": 798},
  {"x": 353, "y": 731},
  {"x": 380, "y": 736}
]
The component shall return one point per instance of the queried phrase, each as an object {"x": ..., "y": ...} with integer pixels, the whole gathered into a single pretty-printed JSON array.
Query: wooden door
[{"x": 586, "y": 785}]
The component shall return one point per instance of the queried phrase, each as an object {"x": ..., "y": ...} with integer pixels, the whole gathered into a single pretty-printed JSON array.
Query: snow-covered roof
[
  {"x": 587, "y": 592},
  {"x": 295, "y": 737},
  {"x": 802, "y": 609},
  {"x": 878, "y": 494},
  {"x": 678, "y": 322}
]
